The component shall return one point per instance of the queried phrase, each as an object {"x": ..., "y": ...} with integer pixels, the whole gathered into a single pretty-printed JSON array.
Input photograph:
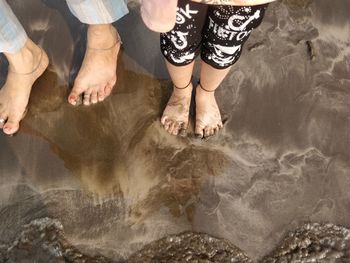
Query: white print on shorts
[
  {"x": 224, "y": 55},
  {"x": 225, "y": 34},
  {"x": 237, "y": 19},
  {"x": 181, "y": 14},
  {"x": 179, "y": 39},
  {"x": 185, "y": 58}
]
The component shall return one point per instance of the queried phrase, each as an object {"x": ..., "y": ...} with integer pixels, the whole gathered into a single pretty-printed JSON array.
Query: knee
[
  {"x": 177, "y": 51},
  {"x": 220, "y": 57},
  {"x": 179, "y": 58}
]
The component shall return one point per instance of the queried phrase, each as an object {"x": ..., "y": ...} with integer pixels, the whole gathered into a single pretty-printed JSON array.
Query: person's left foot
[
  {"x": 208, "y": 117},
  {"x": 98, "y": 73}
]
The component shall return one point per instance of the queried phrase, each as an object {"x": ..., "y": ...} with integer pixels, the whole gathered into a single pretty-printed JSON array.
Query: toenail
[{"x": 8, "y": 132}]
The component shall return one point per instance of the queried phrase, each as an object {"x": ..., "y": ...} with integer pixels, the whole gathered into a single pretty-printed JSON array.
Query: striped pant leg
[
  {"x": 12, "y": 35},
  {"x": 98, "y": 11}
]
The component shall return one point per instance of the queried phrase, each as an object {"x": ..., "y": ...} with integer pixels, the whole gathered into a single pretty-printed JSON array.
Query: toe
[
  {"x": 220, "y": 125},
  {"x": 172, "y": 127},
  {"x": 12, "y": 124},
  {"x": 163, "y": 119},
  {"x": 86, "y": 100},
  {"x": 207, "y": 132},
  {"x": 183, "y": 129},
  {"x": 108, "y": 90},
  {"x": 176, "y": 128},
  {"x": 93, "y": 98},
  {"x": 101, "y": 94},
  {"x": 3, "y": 118},
  {"x": 167, "y": 124},
  {"x": 112, "y": 82},
  {"x": 74, "y": 94},
  {"x": 216, "y": 130},
  {"x": 199, "y": 129},
  {"x": 109, "y": 87}
]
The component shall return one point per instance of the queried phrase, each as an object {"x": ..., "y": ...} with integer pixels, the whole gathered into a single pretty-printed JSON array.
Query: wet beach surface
[{"x": 102, "y": 183}]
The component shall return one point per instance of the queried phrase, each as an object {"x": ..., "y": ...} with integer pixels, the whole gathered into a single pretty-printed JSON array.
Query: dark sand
[{"x": 116, "y": 181}]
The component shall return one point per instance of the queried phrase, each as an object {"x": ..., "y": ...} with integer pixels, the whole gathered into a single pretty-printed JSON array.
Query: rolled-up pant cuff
[
  {"x": 12, "y": 34},
  {"x": 98, "y": 11}
]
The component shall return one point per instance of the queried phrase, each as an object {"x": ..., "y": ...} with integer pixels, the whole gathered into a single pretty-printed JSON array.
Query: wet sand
[{"x": 116, "y": 181}]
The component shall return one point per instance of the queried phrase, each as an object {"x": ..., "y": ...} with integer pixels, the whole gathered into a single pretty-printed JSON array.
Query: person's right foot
[
  {"x": 176, "y": 114},
  {"x": 25, "y": 67}
]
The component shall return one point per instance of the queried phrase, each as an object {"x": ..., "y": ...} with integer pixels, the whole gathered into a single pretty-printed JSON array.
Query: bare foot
[
  {"x": 208, "y": 117},
  {"x": 25, "y": 67},
  {"x": 176, "y": 114},
  {"x": 98, "y": 73}
]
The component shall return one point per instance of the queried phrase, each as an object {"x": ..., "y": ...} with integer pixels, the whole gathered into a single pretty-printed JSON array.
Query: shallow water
[{"x": 116, "y": 181}]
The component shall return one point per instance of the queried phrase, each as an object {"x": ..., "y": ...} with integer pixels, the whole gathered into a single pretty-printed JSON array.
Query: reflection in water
[{"x": 116, "y": 181}]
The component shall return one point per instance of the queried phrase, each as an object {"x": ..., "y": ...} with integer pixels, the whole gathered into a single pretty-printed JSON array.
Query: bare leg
[
  {"x": 25, "y": 66},
  {"x": 208, "y": 118},
  {"x": 97, "y": 75},
  {"x": 176, "y": 113}
]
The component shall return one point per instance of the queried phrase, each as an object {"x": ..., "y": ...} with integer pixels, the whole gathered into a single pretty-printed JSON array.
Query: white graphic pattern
[{"x": 225, "y": 30}]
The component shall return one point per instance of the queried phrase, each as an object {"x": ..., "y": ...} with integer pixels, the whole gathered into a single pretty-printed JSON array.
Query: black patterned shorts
[{"x": 218, "y": 32}]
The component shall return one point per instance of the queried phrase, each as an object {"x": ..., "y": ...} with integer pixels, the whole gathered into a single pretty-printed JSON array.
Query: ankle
[
  {"x": 101, "y": 36},
  {"x": 185, "y": 90},
  {"x": 100, "y": 30},
  {"x": 26, "y": 59},
  {"x": 201, "y": 93},
  {"x": 182, "y": 92}
]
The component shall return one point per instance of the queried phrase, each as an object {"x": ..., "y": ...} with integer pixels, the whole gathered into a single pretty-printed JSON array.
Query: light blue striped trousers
[{"x": 13, "y": 36}]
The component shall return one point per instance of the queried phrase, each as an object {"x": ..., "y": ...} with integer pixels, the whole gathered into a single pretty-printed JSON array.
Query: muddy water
[{"x": 115, "y": 181}]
